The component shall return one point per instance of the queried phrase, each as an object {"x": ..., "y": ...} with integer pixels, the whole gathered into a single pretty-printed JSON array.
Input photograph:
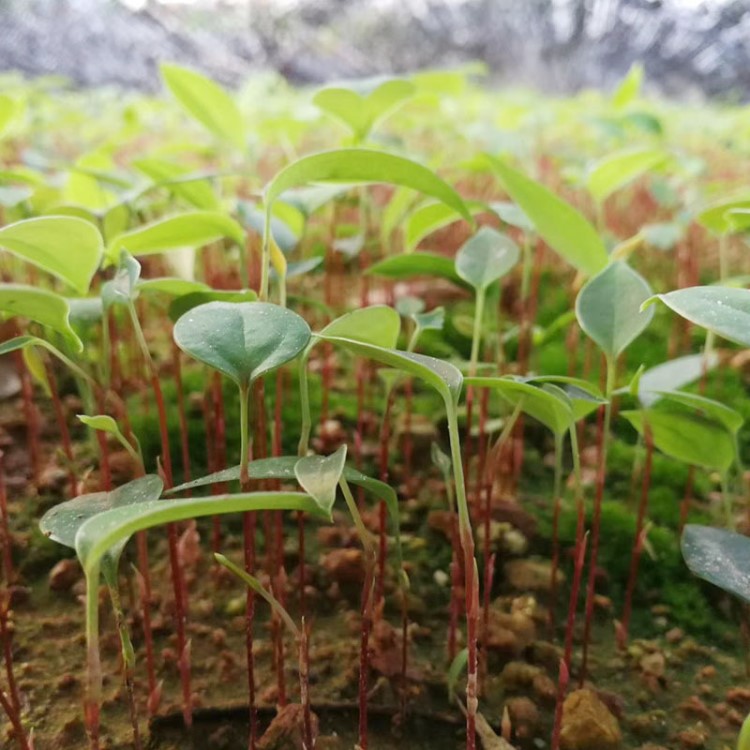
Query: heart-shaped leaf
[
  {"x": 193, "y": 229},
  {"x": 361, "y": 104},
  {"x": 207, "y": 102},
  {"x": 66, "y": 247},
  {"x": 723, "y": 310},
  {"x": 720, "y": 557},
  {"x": 608, "y": 308},
  {"x": 378, "y": 325},
  {"x": 43, "y": 307},
  {"x": 561, "y": 226},
  {"x": 486, "y": 257},
  {"x": 243, "y": 340},
  {"x": 319, "y": 476},
  {"x": 432, "y": 320}
]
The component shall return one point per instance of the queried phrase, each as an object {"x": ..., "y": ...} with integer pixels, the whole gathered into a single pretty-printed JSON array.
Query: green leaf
[
  {"x": 561, "y": 226},
  {"x": 43, "y": 307},
  {"x": 718, "y": 216},
  {"x": 122, "y": 290},
  {"x": 363, "y": 165},
  {"x": 456, "y": 669},
  {"x": 629, "y": 87},
  {"x": 243, "y": 340},
  {"x": 616, "y": 170},
  {"x": 416, "y": 264},
  {"x": 486, "y": 257},
  {"x": 207, "y": 102},
  {"x": 512, "y": 214},
  {"x": 584, "y": 397},
  {"x": 676, "y": 373},
  {"x": 196, "y": 190},
  {"x": 608, "y": 308},
  {"x": 662, "y": 235},
  {"x": 725, "y": 415},
  {"x": 361, "y": 104},
  {"x": 433, "y": 320},
  {"x": 444, "y": 377},
  {"x": 430, "y": 217},
  {"x": 254, "y": 218},
  {"x": 66, "y": 247},
  {"x": 553, "y": 412},
  {"x": 101, "y": 422},
  {"x": 114, "y": 527},
  {"x": 193, "y": 229},
  {"x": 63, "y": 521},
  {"x": 718, "y": 556},
  {"x": 319, "y": 476},
  {"x": 171, "y": 286},
  {"x": 283, "y": 467},
  {"x": 690, "y": 438},
  {"x": 378, "y": 325},
  {"x": 186, "y": 302},
  {"x": 723, "y": 310}
]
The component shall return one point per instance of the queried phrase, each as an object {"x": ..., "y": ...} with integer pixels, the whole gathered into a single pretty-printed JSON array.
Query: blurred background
[{"x": 690, "y": 48}]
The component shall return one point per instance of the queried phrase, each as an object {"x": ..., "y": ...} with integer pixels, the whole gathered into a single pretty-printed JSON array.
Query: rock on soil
[{"x": 587, "y": 723}]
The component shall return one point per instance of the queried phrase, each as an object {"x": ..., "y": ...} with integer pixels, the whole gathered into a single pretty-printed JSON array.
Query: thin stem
[
  {"x": 476, "y": 336},
  {"x": 304, "y": 398},
  {"x": 93, "y": 662},
  {"x": 556, "y": 499},
  {"x": 596, "y": 522},
  {"x": 245, "y": 437}
]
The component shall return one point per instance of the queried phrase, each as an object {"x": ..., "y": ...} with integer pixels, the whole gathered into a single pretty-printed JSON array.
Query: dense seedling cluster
[{"x": 254, "y": 314}]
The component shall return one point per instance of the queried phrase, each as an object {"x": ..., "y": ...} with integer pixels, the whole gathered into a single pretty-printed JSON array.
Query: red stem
[
  {"x": 7, "y": 537},
  {"x": 635, "y": 556}
]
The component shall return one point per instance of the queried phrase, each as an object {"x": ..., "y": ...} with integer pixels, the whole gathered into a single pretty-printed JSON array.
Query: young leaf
[
  {"x": 718, "y": 216},
  {"x": 687, "y": 437},
  {"x": 121, "y": 290},
  {"x": 171, "y": 286},
  {"x": 62, "y": 522},
  {"x": 561, "y": 226},
  {"x": 718, "y": 556},
  {"x": 43, "y": 307},
  {"x": 512, "y": 214},
  {"x": 114, "y": 527},
  {"x": 364, "y": 165},
  {"x": 416, "y": 264},
  {"x": 444, "y": 377},
  {"x": 65, "y": 246},
  {"x": 725, "y": 415},
  {"x": 433, "y": 320},
  {"x": 673, "y": 374},
  {"x": 553, "y": 412},
  {"x": 378, "y": 325},
  {"x": 629, "y": 87},
  {"x": 616, "y": 170},
  {"x": 361, "y": 104},
  {"x": 723, "y": 310},
  {"x": 186, "y": 302},
  {"x": 195, "y": 189},
  {"x": 192, "y": 229},
  {"x": 430, "y": 217},
  {"x": 486, "y": 257},
  {"x": 207, "y": 102},
  {"x": 244, "y": 340},
  {"x": 608, "y": 308},
  {"x": 319, "y": 476}
]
